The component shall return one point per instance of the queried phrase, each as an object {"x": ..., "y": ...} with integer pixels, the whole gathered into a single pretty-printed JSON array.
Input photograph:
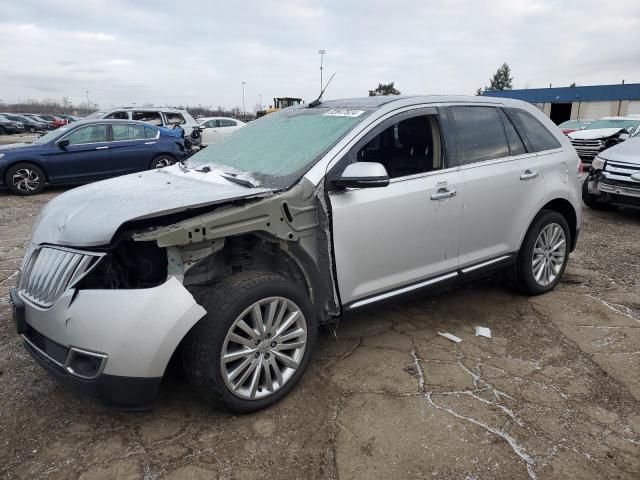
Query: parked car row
[
  {"x": 215, "y": 128},
  {"x": 85, "y": 151},
  {"x": 603, "y": 134},
  {"x": 28, "y": 122}
]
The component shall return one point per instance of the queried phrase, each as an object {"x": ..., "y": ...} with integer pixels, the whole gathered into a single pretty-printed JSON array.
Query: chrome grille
[
  {"x": 621, "y": 172},
  {"x": 49, "y": 271},
  {"x": 587, "y": 148}
]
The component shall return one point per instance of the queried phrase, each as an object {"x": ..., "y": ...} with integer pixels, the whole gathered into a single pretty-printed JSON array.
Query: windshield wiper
[{"x": 239, "y": 181}]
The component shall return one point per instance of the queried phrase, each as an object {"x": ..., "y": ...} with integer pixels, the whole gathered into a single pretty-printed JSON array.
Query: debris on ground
[
  {"x": 483, "y": 332},
  {"x": 450, "y": 336}
]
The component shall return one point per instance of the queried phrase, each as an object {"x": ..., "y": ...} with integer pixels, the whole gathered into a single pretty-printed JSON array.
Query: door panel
[
  {"x": 497, "y": 206},
  {"x": 86, "y": 158},
  {"x": 131, "y": 151},
  {"x": 386, "y": 238}
]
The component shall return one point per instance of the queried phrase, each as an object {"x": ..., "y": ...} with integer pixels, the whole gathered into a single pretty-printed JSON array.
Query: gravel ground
[{"x": 554, "y": 394}]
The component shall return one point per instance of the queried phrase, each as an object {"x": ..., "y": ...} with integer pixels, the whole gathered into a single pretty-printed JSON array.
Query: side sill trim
[
  {"x": 485, "y": 264},
  {"x": 400, "y": 291}
]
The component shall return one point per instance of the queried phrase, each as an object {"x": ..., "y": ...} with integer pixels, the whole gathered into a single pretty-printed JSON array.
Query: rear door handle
[
  {"x": 149, "y": 143},
  {"x": 102, "y": 148},
  {"x": 444, "y": 193},
  {"x": 528, "y": 175}
]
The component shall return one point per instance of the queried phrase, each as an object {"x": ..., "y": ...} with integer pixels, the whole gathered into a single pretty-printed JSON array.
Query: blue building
[{"x": 583, "y": 102}]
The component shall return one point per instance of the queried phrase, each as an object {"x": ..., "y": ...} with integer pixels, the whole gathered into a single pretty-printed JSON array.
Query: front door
[
  {"x": 86, "y": 158},
  {"x": 393, "y": 239}
]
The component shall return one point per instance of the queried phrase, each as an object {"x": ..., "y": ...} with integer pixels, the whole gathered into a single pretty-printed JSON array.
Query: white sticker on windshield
[{"x": 343, "y": 112}]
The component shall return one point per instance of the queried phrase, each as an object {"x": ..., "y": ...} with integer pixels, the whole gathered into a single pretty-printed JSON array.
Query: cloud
[{"x": 199, "y": 53}]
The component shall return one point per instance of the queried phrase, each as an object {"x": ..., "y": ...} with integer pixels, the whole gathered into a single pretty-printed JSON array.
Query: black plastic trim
[{"x": 123, "y": 393}]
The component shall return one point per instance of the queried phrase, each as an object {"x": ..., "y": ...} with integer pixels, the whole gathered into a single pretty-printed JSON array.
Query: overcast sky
[{"x": 199, "y": 52}]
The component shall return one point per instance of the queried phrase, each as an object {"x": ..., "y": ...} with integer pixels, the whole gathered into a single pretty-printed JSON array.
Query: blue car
[{"x": 85, "y": 151}]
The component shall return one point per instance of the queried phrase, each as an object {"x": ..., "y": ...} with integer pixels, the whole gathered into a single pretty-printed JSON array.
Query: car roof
[
  {"x": 201, "y": 119},
  {"x": 111, "y": 121},
  {"x": 147, "y": 109},
  {"x": 373, "y": 103},
  {"x": 620, "y": 118}
]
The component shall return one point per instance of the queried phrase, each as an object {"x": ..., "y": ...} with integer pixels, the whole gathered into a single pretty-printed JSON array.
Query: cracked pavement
[{"x": 554, "y": 394}]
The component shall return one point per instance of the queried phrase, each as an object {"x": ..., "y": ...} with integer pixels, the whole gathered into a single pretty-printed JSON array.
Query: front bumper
[{"x": 136, "y": 331}]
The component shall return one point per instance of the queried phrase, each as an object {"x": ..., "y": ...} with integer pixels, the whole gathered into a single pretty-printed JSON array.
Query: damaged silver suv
[{"x": 231, "y": 261}]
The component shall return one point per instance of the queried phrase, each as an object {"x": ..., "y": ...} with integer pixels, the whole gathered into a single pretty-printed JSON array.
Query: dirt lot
[{"x": 554, "y": 394}]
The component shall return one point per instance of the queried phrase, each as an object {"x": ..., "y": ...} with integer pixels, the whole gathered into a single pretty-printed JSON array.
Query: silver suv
[
  {"x": 232, "y": 261},
  {"x": 157, "y": 116}
]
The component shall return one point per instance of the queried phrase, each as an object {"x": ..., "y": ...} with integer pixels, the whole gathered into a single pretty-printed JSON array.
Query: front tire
[
  {"x": 543, "y": 255},
  {"x": 254, "y": 343},
  {"x": 25, "y": 179}
]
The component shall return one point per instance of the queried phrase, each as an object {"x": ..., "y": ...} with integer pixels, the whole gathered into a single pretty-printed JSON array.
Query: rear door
[
  {"x": 496, "y": 206},
  {"x": 132, "y": 148},
  {"x": 87, "y": 157},
  {"x": 401, "y": 237}
]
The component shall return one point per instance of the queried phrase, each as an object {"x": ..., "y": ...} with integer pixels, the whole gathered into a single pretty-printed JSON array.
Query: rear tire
[
  {"x": 25, "y": 179},
  {"x": 591, "y": 200},
  {"x": 32, "y": 129},
  {"x": 543, "y": 255},
  {"x": 233, "y": 361},
  {"x": 162, "y": 161}
]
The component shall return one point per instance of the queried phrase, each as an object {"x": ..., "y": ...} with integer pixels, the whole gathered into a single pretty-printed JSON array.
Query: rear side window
[
  {"x": 128, "y": 132},
  {"x": 227, "y": 123},
  {"x": 212, "y": 123},
  {"x": 480, "y": 134},
  {"x": 515, "y": 142},
  {"x": 538, "y": 135},
  {"x": 118, "y": 116},
  {"x": 153, "y": 118}
]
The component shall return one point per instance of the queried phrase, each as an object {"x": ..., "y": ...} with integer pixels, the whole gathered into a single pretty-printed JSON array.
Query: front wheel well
[{"x": 564, "y": 208}]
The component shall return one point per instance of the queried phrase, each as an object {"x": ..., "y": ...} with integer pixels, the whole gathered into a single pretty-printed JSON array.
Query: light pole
[
  {"x": 87, "y": 99},
  {"x": 244, "y": 111},
  {"x": 260, "y": 95},
  {"x": 322, "y": 54}
]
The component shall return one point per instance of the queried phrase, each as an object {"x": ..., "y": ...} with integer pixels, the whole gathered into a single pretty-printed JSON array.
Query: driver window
[{"x": 409, "y": 147}]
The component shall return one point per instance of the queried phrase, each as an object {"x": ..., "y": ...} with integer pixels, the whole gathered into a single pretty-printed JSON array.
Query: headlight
[{"x": 597, "y": 163}]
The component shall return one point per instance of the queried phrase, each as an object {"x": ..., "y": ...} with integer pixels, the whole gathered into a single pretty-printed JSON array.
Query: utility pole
[
  {"x": 260, "y": 95},
  {"x": 244, "y": 111},
  {"x": 87, "y": 99},
  {"x": 322, "y": 54}
]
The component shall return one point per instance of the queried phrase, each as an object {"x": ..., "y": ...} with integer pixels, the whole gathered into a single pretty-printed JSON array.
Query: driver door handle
[
  {"x": 444, "y": 193},
  {"x": 528, "y": 175},
  {"x": 102, "y": 148}
]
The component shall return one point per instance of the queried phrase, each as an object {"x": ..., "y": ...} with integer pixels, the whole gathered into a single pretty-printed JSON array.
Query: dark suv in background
[
  {"x": 30, "y": 124},
  {"x": 10, "y": 126}
]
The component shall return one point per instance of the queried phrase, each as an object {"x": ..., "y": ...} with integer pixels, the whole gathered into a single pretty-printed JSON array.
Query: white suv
[
  {"x": 157, "y": 116},
  {"x": 231, "y": 261}
]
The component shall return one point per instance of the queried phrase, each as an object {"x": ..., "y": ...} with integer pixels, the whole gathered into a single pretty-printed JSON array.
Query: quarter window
[
  {"x": 150, "y": 132},
  {"x": 175, "y": 119},
  {"x": 480, "y": 134},
  {"x": 408, "y": 147},
  {"x": 539, "y": 137},
  {"x": 90, "y": 134},
  {"x": 227, "y": 123},
  {"x": 153, "y": 118}
]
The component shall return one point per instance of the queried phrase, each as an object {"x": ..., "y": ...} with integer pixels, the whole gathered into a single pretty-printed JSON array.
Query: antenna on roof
[{"x": 317, "y": 101}]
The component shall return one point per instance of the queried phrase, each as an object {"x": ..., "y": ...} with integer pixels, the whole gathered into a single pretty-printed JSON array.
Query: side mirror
[
  {"x": 63, "y": 143},
  {"x": 363, "y": 175}
]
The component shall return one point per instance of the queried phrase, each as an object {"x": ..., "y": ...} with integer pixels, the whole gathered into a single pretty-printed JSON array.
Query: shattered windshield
[{"x": 279, "y": 148}]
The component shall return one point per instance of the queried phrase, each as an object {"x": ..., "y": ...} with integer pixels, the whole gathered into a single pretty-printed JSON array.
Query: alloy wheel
[
  {"x": 548, "y": 254},
  {"x": 26, "y": 180},
  {"x": 164, "y": 162},
  {"x": 263, "y": 348}
]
